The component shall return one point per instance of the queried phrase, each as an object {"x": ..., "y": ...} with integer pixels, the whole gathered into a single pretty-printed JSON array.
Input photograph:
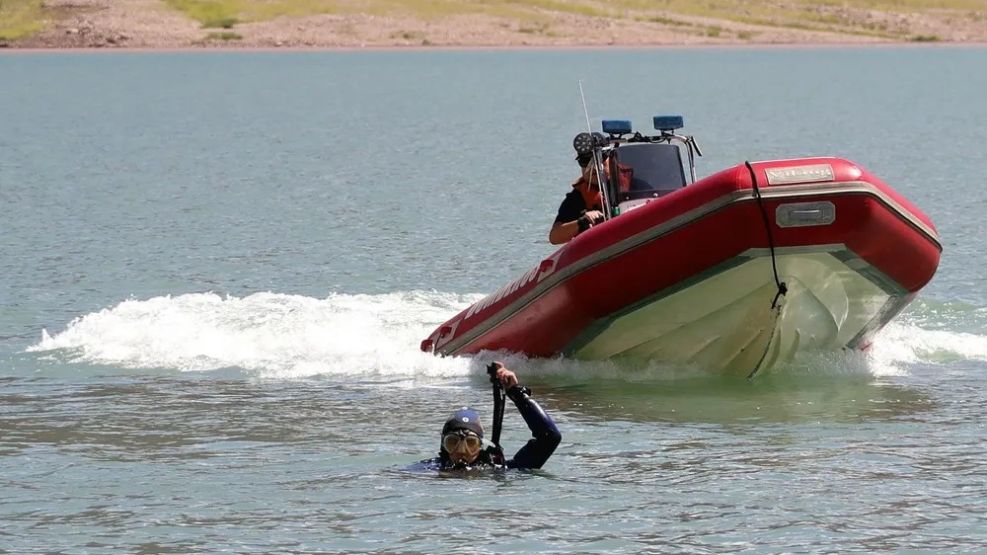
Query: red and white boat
[{"x": 736, "y": 272}]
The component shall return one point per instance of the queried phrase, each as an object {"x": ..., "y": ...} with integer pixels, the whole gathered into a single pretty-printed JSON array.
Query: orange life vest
[
  {"x": 625, "y": 174},
  {"x": 591, "y": 197}
]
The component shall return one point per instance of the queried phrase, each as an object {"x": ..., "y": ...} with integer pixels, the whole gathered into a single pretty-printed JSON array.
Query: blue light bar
[
  {"x": 669, "y": 123},
  {"x": 617, "y": 126}
]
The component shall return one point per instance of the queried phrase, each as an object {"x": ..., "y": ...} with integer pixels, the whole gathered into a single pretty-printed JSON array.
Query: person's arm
[
  {"x": 545, "y": 435},
  {"x": 563, "y": 232},
  {"x": 566, "y": 225}
]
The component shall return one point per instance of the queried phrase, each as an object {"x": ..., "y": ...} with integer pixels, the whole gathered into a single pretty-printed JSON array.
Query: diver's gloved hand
[{"x": 500, "y": 372}]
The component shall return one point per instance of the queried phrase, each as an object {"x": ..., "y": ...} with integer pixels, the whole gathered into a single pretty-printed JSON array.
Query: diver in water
[{"x": 463, "y": 447}]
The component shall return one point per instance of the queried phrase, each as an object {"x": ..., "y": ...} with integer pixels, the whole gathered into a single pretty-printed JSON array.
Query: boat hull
[{"x": 694, "y": 277}]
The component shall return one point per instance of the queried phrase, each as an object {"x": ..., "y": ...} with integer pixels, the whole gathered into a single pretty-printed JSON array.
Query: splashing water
[
  {"x": 288, "y": 336},
  {"x": 277, "y": 335}
]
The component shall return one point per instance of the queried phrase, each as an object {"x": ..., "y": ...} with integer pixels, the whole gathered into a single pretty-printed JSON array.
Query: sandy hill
[{"x": 423, "y": 23}]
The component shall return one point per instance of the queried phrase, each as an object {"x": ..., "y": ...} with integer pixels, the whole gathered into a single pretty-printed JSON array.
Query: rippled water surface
[{"x": 216, "y": 269}]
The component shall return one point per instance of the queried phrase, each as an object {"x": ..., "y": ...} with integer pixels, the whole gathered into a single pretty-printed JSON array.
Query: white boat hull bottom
[{"x": 724, "y": 321}]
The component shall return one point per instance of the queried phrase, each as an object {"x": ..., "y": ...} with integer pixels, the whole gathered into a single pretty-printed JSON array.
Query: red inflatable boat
[{"x": 735, "y": 272}]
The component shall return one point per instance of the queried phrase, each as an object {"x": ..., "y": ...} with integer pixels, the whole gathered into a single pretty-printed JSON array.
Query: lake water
[{"x": 216, "y": 268}]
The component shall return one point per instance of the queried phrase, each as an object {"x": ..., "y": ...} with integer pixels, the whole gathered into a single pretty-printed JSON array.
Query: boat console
[{"x": 639, "y": 168}]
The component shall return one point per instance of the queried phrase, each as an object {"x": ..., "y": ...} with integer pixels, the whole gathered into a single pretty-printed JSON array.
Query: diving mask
[{"x": 455, "y": 440}]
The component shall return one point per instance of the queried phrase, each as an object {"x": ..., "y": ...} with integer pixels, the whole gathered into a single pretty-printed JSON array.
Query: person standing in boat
[
  {"x": 582, "y": 207},
  {"x": 463, "y": 447}
]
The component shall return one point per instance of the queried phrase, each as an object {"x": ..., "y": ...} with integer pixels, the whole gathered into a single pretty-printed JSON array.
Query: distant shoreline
[
  {"x": 501, "y": 48},
  {"x": 379, "y": 25}
]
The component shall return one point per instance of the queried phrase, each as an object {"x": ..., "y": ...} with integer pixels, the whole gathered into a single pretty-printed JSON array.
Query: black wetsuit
[{"x": 545, "y": 438}]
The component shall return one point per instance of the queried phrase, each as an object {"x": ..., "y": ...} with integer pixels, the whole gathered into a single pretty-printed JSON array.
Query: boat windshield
[{"x": 648, "y": 170}]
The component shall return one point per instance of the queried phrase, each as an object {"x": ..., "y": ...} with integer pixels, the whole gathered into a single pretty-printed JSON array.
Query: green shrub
[
  {"x": 225, "y": 35},
  {"x": 221, "y": 23}
]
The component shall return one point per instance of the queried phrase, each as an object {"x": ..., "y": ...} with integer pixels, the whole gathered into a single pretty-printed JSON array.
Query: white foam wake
[
  {"x": 902, "y": 342},
  {"x": 277, "y": 335},
  {"x": 378, "y": 335}
]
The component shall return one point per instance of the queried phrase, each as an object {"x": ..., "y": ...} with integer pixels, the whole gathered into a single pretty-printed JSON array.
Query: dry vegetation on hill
[{"x": 358, "y": 23}]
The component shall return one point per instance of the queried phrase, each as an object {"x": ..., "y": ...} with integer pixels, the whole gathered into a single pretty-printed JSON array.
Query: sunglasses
[{"x": 453, "y": 440}]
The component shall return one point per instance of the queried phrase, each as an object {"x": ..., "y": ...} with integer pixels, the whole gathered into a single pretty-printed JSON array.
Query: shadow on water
[
  {"x": 805, "y": 392},
  {"x": 723, "y": 400}
]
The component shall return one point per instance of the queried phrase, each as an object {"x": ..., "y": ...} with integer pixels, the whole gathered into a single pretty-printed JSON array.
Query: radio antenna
[
  {"x": 589, "y": 127},
  {"x": 597, "y": 160}
]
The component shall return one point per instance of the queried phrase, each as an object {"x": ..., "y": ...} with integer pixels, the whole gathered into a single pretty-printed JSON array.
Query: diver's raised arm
[{"x": 545, "y": 435}]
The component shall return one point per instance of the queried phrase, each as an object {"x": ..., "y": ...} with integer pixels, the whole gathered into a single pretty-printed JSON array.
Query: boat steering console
[{"x": 638, "y": 168}]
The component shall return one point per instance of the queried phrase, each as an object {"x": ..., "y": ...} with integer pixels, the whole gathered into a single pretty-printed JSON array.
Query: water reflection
[{"x": 780, "y": 398}]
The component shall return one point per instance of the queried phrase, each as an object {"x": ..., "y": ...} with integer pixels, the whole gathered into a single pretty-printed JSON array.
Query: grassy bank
[
  {"x": 830, "y": 15},
  {"x": 734, "y": 19},
  {"x": 20, "y": 18},
  {"x": 227, "y": 13}
]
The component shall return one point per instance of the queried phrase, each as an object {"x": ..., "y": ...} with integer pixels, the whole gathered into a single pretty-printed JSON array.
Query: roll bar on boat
[{"x": 637, "y": 168}]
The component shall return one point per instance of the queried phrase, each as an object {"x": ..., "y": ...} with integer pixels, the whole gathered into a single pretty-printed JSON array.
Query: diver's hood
[{"x": 464, "y": 419}]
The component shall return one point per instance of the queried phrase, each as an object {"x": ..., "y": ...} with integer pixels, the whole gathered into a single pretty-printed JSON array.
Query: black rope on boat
[{"x": 782, "y": 288}]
